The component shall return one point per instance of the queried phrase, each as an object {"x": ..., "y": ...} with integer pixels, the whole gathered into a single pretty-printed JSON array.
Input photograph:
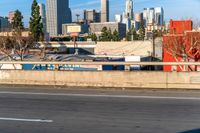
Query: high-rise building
[
  {"x": 154, "y": 16},
  {"x": 159, "y": 16},
  {"x": 91, "y": 16},
  {"x": 128, "y": 23},
  {"x": 104, "y": 10},
  {"x": 138, "y": 20},
  {"x": 43, "y": 16},
  {"x": 4, "y": 24},
  {"x": 118, "y": 18},
  {"x": 11, "y": 15},
  {"x": 129, "y": 9},
  {"x": 57, "y": 13},
  {"x": 128, "y": 14},
  {"x": 149, "y": 16},
  {"x": 153, "y": 20},
  {"x": 138, "y": 16},
  {"x": 98, "y": 16}
]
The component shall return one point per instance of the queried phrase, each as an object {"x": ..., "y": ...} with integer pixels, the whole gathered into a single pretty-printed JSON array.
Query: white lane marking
[
  {"x": 25, "y": 120},
  {"x": 100, "y": 95}
]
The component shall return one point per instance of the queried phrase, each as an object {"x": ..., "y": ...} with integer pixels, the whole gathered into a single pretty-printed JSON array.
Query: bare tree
[
  {"x": 6, "y": 44},
  {"x": 196, "y": 24},
  {"x": 22, "y": 45},
  {"x": 16, "y": 45},
  {"x": 184, "y": 47}
]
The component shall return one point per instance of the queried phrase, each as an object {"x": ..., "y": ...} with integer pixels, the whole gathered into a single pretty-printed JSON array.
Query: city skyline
[{"x": 185, "y": 9}]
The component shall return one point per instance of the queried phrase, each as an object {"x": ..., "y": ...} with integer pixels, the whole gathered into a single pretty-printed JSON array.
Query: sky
[{"x": 174, "y": 9}]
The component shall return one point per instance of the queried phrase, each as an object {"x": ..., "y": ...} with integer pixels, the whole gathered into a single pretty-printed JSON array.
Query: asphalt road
[{"x": 26, "y": 110}]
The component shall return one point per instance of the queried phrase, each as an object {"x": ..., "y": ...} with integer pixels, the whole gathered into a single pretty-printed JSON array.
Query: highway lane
[{"x": 25, "y": 110}]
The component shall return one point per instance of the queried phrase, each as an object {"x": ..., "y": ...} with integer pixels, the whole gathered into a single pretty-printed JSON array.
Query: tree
[
  {"x": 159, "y": 33},
  {"x": 128, "y": 36},
  {"x": 104, "y": 34},
  {"x": 17, "y": 24},
  {"x": 115, "y": 36},
  {"x": 141, "y": 31},
  {"x": 16, "y": 45},
  {"x": 183, "y": 48},
  {"x": 132, "y": 35},
  {"x": 109, "y": 35},
  {"x": 36, "y": 26},
  {"x": 93, "y": 37},
  {"x": 6, "y": 44}
]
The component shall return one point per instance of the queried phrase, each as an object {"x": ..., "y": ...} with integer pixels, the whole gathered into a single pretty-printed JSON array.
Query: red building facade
[
  {"x": 181, "y": 44},
  {"x": 180, "y": 26}
]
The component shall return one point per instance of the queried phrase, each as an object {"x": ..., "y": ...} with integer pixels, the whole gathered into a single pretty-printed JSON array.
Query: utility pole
[{"x": 153, "y": 40}]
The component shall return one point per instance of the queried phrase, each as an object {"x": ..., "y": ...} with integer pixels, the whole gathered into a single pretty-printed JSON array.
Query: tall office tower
[
  {"x": 43, "y": 16},
  {"x": 91, "y": 16},
  {"x": 4, "y": 24},
  {"x": 138, "y": 17},
  {"x": 118, "y": 18},
  {"x": 128, "y": 15},
  {"x": 154, "y": 16},
  {"x": 11, "y": 15},
  {"x": 129, "y": 9},
  {"x": 98, "y": 16},
  {"x": 149, "y": 16},
  {"x": 57, "y": 13},
  {"x": 104, "y": 11},
  {"x": 159, "y": 16}
]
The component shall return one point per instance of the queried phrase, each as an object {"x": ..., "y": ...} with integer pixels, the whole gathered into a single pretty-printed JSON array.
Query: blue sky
[{"x": 174, "y": 9}]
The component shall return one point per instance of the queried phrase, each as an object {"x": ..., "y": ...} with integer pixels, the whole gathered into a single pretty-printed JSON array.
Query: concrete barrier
[{"x": 185, "y": 80}]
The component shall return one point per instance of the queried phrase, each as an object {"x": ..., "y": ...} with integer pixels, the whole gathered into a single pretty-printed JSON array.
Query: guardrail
[
  {"x": 99, "y": 66},
  {"x": 103, "y": 63}
]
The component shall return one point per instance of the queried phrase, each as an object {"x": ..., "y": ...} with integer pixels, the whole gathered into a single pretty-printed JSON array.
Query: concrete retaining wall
[{"x": 184, "y": 80}]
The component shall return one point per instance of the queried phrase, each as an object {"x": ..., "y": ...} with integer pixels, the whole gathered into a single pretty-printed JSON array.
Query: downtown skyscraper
[
  {"x": 43, "y": 15},
  {"x": 128, "y": 14},
  {"x": 129, "y": 9},
  {"x": 57, "y": 13},
  {"x": 105, "y": 11},
  {"x": 159, "y": 16},
  {"x": 154, "y": 16}
]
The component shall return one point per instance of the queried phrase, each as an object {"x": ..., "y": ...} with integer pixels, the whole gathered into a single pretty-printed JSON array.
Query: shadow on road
[{"x": 192, "y": 131}]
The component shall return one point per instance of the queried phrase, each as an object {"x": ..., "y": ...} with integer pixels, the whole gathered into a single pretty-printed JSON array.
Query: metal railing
[
  {"x": 104, "y": 63},
  {"x": 37, "y": 65}
]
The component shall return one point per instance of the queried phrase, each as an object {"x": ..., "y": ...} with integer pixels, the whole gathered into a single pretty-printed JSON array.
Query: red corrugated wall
[
  {"x": 179, "y": 27},
  {"x": 177, "y": 30}
]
